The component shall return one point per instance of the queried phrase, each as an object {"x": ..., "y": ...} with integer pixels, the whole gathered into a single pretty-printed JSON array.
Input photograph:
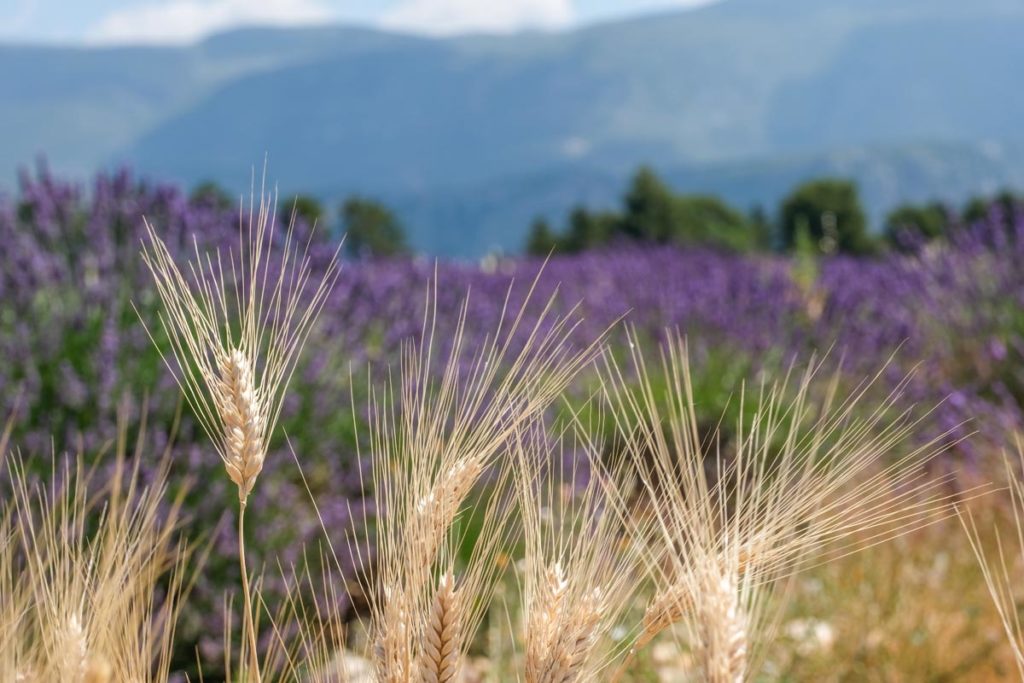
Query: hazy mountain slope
[
  {"x": 683, "y": 86},
  {"x": 930, "y": 79},
  {"x": 76, "y": 106},
  {"x": 729, "y": 81},
  {"x": 477, "y": 134},
  {"x": 79, "y": 106}
]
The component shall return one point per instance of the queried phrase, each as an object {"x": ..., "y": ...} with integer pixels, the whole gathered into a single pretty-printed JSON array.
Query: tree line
[
  {"x": 371, "y": 229},
  {"x": 824, "y": 214}
]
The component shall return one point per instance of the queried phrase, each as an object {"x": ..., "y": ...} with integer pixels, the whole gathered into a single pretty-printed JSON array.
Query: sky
[{"x": 183, "y": 21}]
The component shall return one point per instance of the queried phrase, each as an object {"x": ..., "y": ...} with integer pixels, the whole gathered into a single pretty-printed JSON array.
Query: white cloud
[
  {"x": 182, "y": 21},
  {"x": 446, "y": 17}
]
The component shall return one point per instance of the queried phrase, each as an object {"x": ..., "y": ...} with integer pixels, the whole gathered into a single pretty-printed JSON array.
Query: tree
[
  {"x": 707, "y": 220},
  {"x": 830, "y": 210},
  {"x": 654, "y": 213},
  {"x": 588, "y": 229},
  {"x": 979, "y": 208},
  {"x": 763, "y": 236},
  {"x": 649, "y": 208},
  {"x": 209, "y": 193},
  {"x": 909, "y": 223},
  {"x": 371, "y": 229},
  {"x": 542, "y": 240},
  {"x": 306, "y": 208}
]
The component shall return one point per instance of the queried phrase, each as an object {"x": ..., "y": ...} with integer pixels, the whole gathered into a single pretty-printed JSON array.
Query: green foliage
[
  {"x": 978, "y": 208},
  {"x": 589, "y": 229},
  {"x": 304, "y": 207},
  {"x": 704, "y": 219},
  {"x": 761, "y": 226},
  {"x": 649, "y": 208},
  {"x": 371, "y": 229},
  {"x": 210, "y": 193},
  {"x": 928, "y": 222},
  {"x": 830, "y": 210},
  {"x": 541, "y": 240},
  {"x": 652, "y": 213},
  {"x": 805, "y": 261}
]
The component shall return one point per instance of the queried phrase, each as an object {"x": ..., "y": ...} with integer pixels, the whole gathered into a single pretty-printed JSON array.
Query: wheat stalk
[
  {"x": 998, "y": 573},
  {"x": 582, "y": 572},
  {"x": 800, "y": 480},
  {"x": 236, "y": 341},
  {"x": 431, "y": 440},
  {"x": 236, "y": 323}
]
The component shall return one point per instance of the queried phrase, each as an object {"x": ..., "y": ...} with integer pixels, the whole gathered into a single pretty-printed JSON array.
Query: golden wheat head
[
  {"x": 804, "y": 480},
  {"x": 236, "y": 324}
]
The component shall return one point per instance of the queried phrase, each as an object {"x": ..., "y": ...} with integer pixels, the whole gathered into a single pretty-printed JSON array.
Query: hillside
[{"x": 477, "y": 134}]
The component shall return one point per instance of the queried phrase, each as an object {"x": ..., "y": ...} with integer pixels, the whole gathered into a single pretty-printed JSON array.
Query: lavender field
[{"x": 73, "y": 290}]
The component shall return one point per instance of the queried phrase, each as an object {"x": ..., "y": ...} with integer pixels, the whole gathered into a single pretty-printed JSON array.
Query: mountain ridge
[{"x": 699, "y": 94}]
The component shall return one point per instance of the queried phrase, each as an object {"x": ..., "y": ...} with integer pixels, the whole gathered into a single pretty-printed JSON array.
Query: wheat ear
[
  {"x": 436, "y": 511},
  {"x": 666, "y": 608},
  {"x": 98, "y": 670},
  {"x": 722, "y": 647},
  {"x": 238, "y": 402},
  {"x": 439, "y": 656}
]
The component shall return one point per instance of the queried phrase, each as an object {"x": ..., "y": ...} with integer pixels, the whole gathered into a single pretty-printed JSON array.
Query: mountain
[{"x": 470, "y": 137}]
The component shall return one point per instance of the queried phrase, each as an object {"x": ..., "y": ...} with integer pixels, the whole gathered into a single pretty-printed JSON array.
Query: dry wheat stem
[
  {"x": 998, "y": 572},
  {"x": 236, "y": 332},
  {"x": 250, "y": 624}
]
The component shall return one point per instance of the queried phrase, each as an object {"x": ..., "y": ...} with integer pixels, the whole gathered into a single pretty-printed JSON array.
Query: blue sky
[{"x": 177, "y": 21}]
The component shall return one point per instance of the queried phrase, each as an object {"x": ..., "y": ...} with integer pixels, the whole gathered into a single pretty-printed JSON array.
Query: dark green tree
[
  {"x": 306, "y": 208},
  {"x": 649, "y": 208},
  {"x": 910, "y": 222},
  {"x": 763, "y": 236},
  {"x": 830, "y": 210},
  {"x": 707, "y": 220},
  {"x": 589, "y": 229},
  {"x": 371, "y": 229},
  {"x": 978, "y": 208},
  {"x": 210, "y": 193},
  {"x": 654, "y": 213},
  {"x": 541, "y": 240}
]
